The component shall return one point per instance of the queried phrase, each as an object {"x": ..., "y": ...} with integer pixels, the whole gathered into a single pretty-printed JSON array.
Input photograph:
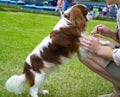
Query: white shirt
[
  {"x": 116, "y": 56},
  {"x": 116, "y": 51}
]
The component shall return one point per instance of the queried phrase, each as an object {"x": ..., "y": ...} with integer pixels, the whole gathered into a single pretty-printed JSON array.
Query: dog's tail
[{"x": 16, "y": 83}]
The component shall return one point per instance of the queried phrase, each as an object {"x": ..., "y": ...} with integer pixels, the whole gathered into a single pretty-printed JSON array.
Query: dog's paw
[{"x": 44, "y": 92}]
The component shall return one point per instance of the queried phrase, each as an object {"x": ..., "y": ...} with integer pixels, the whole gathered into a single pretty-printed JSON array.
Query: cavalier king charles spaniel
[{"x": 56, "y": 49}]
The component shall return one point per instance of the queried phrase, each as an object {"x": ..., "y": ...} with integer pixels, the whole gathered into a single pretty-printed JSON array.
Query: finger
[
  {"x": 84, "y": 44},
  {"x": 96, "y": 29},
  {"x": 86, "y": 40}
]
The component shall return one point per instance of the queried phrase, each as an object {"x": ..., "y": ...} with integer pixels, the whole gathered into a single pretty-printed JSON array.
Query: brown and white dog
[{"x": 56, "y": 49}]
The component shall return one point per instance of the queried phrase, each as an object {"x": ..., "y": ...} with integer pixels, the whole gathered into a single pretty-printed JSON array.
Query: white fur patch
[
  {"x": 89, "y": 16},
  {"x": 83, "y": 52},
  {"x": 68, "y": 10},
  {"x": 64, "y": 60},
  {"x": 62, "y": 23},
  {"x": 50, "y": 67},
  {"x": 39, "y": 80},
  {"x": 83, "y": 34}
]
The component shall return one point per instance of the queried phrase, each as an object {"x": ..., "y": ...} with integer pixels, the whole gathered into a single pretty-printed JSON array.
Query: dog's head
[{"x": 77, "y": 15}]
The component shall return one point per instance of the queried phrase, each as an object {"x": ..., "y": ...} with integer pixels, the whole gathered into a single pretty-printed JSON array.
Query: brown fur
[{"x": 64, "y": 43}]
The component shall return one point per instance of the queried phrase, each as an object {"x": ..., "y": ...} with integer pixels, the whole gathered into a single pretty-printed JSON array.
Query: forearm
[
  {"x": 105, "y": 52},
  {"x": 60, "y": 3},
  {"x": 105, "y": 31},
  {"x": 113, "y": 35}
]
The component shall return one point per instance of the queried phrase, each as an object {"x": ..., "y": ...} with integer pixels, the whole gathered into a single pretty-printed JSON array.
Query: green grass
[{"x": 20, "y": 33}]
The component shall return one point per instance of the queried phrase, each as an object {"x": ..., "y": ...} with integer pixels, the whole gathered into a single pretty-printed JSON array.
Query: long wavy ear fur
[{"x": 78, "y": 16}]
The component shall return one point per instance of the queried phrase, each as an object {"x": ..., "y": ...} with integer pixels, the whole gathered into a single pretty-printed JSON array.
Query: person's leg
[
  {"x": 69, "y": 6},
  {"x": 95, "y": 63},
  {"x": 64, "y": 7},
  {"x": 117, "y": 91}
]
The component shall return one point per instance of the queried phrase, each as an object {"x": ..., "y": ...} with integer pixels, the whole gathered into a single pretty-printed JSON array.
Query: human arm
[
  {"x": 91, "y": 44},
  {"x": 60, "y": 3},
  {"x": 105, "y": 31}
]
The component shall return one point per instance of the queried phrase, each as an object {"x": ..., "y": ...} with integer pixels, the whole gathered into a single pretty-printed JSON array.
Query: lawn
[{"x": 20, "y": 33}]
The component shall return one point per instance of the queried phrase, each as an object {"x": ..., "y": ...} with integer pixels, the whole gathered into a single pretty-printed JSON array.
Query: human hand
[
  {"x": 91, "y": 44},
  {"x": 103, "y": 30}
]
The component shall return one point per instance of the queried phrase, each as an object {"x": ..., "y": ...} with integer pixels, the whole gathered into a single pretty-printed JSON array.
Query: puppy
[{"x": 56, "y": 49}]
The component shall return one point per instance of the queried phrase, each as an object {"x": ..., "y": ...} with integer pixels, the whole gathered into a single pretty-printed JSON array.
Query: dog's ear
[{"x": 78, "y": 16}]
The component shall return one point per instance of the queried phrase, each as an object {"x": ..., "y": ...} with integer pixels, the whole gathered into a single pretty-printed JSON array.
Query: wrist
[
  {"x": 105, "y": 52},
  {"x": 114, "y": 36}
]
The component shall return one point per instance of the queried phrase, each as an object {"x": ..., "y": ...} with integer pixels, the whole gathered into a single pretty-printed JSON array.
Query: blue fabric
[{"x": 67, "y": 4}]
